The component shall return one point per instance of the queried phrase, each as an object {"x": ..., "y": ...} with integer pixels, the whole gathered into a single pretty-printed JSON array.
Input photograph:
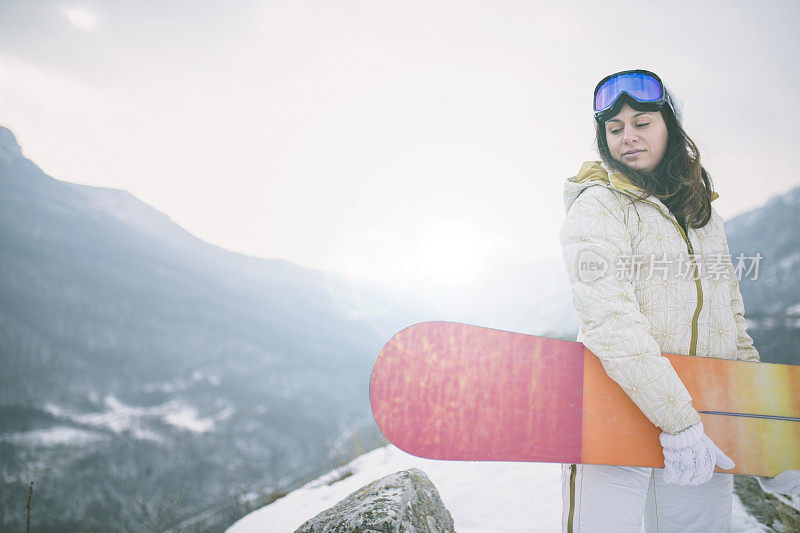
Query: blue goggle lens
[{"x": 639, "y": 85}]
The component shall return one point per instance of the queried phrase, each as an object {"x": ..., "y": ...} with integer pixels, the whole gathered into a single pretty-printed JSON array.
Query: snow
[
  {"x": 514, "y": 497},
  {"x": 54, "y": 436},
  {"x": 119, "y": 417},
  {"x": 482, "y": 497},
  {"x": 183, "y": 384},
  {"x": 743, "y": 522},
  {"x": 792, "y": 500},
  {"x": 787, "y": 264},
  {"x": 793, "y": 310},
  {"x": 185, "y": 417}
]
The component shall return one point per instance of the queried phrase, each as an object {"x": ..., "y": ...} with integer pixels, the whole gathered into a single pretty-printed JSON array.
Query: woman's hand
[
  {"x": 787, "y": 482},
  {"x": 690, "y": 456}
]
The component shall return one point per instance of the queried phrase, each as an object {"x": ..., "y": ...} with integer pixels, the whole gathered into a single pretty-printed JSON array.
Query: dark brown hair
[{"x": 679, "y": 180}]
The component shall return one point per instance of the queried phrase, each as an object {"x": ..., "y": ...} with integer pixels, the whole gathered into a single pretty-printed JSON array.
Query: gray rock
[{"x": 403, "y": 502}]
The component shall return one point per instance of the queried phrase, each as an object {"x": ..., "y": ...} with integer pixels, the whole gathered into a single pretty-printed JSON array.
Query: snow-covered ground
[
  {"x": 482, "y": 497},
  {"x": 118, "y": 417}
]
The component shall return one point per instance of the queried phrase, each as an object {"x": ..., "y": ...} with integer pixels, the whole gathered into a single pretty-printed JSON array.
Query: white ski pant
[{"x": 626, "y": 499}]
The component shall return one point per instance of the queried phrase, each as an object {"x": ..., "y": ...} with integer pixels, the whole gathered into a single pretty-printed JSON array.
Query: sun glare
[
  {"x": 450, "y": 255},
  {"x": 82, "y": 19},
  {"x": 371, "y": 255}
]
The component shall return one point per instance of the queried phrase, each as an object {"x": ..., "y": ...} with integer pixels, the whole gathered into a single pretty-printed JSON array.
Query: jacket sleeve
[
  {"x": 613, "y": 326},
  {"x": 745, "y": 351}
]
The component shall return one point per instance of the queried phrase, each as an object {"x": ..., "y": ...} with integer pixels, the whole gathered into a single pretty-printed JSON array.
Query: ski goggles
[{"x": 641, "y": 85}]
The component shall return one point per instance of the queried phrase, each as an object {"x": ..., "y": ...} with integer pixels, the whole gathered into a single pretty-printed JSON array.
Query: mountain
[
  {"x": 142, "y": 364},
  {"x": 772, "y": 292},
  {"x": 771, "y": 231}
]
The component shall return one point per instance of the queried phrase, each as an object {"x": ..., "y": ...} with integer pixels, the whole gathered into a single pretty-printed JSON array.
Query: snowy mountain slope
[
  {"x": 482, "y": 497},
  {"x": 769, "y": 230},
  {"x": 123, "y": 337}
]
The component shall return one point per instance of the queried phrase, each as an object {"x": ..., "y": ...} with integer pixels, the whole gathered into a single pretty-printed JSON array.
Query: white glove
[
  {"x": 787, "y": 482},
  {"x": 690, "y": 456}
]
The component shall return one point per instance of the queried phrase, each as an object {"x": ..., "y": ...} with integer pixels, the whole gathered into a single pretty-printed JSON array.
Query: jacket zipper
[
  {"x": 571, "y": 498},
  {"x": 695, "y": 274}
]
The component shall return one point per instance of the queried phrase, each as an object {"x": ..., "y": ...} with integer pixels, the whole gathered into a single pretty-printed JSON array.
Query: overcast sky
[{"x": 384, "y": 138}]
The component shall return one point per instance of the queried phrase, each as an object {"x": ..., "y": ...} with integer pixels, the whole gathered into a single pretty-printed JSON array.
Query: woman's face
[{"x": 637, "y": 138}]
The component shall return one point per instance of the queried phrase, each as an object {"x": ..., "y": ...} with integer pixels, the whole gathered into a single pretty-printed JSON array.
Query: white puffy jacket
[{"x": 642, "y": 286}]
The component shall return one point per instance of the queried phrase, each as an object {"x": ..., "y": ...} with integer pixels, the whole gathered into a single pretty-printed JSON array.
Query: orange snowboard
[{"x": 443, "y": 390}]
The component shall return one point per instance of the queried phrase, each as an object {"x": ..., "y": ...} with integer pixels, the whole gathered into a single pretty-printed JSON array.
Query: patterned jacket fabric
[{"x": 642, "y": 286}]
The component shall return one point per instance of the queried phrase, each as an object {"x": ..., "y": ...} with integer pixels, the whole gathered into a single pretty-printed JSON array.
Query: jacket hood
[{"x": 594, "y": 173}]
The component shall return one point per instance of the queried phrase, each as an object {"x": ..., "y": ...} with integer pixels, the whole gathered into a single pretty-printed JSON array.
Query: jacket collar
[{"x": 596, "y": 171}]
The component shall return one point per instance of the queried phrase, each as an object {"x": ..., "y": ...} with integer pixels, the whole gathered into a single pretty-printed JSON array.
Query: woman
[{"x": 667, "y": 285}]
